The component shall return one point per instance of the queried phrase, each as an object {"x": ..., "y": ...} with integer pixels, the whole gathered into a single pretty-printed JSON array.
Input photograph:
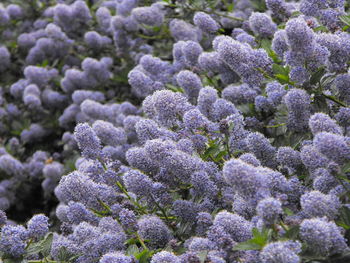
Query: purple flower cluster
[{"x": 174, "y": 131}]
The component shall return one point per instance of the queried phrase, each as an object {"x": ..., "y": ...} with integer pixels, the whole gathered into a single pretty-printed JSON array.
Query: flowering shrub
[{"x": 176, "y": 131}]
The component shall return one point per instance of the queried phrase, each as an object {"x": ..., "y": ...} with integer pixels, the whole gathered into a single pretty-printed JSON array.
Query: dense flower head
[
  {"x": 312, "y": 158},
  {"x": 320, "y": 122},
  {"x": 186, "y": 210},
  {"x": 165, "y": 257},
  {"x": 269, "y": 209},
  {"x": 205, "y": 22},
  {"x": 108, "y": 134},
  {"x": 278, "y": 8},
  {"x": 154, "y": 229},
  {"x": 242, "y": 59},
  {"x": 3, "y": 218},
  {"x": 77, "y": 213},
  {"x": 298, "y": 104},
  {"x": 322, "y": 236},
  {"x": 165, "y": 106},
  {"x": 137, "y": 183},
  {"x": 38, "y": 226},
  {"x": 288, "y": 157},
  {"x": 190, "y": 82},
  {"x": 262, "y": 25},
  {"x": 181, "y": 30},
  {"x": 324, "y": 181},
  {"x": 281, "y": 252},
  {"x": 261, "y": 148},
  {"x": 316, "y": 204},
  {"x": 244, "y": 177},
  {"x": 234, "y": 225},
  {"x": 150, "y": 16},
  {"x": 333, "y": 146},
  {"x": 299, "y": 36},
  {"x": 12, "y": 241},
  {"x": 5, "y": 58},
  {"x": 342, "y": 85},
  {"x": 343, "y": 116},
  {"x": 115, "y": 257},
  {"x": 87, "y": 140},
  {"x": 191, "y": 51},
  {"x": 10, "y": 165}
]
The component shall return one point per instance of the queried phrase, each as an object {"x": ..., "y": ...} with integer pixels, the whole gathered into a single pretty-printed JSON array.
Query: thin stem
[
  {"x": 227, "y": 145},
  {"x": 141, "y": 241},
  {"x": 277, "y": 125},
  {"x": 227, "y": 16},
  {"x": 142, "y": 209},
  {"x": 334, "y": 100},
  {"x": 213, "y": 12},
  {"x": 160, "y": 208},
  {"x": 283, "y": 226},
  {"x": 103, "y": 164}
]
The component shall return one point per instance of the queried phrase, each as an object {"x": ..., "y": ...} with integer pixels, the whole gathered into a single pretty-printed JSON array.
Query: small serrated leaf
[
  {"x": 278, "y": 69},
  {"x": 144, "y": 256},
  {"x": 34, "y": 248},
  {"x": 316, "y": 77},
  {"x": 345, "y": 215},
  {"x": 132, "y": 250},
  {"x": 247, "y": 245},
  {"x": 345, "y": 19},
  {"x": 321, "y": 29},
  {"x": 64, "y": 255},
  {"x": 202, "y": 255},
  {"x": 288, "y": 212},
  {"x": 46, "y": 244},
  {"x": 292, "y": 233}
]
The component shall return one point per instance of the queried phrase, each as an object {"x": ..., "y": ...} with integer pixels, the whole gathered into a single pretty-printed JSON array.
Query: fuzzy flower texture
[{"x": 138, "y": 131}]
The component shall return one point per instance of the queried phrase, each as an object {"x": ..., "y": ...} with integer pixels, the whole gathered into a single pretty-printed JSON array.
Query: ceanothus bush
[{"x": 174, "y": 131}]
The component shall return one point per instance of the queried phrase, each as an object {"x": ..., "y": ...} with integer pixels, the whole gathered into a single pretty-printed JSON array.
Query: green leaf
[
  {"x": 64, "y": 255},
  {"x": 316, "y": 77},
  {"x": 220, "y": 155},
  {"x": 345, "y": 226},
  {"x": 292, "y": 233},
  {"x": 202, "y": 255},
  {"x": 132, "y": 250},
  {"x": 345, "y": 19},
  {"x": 141, "y": 254},
  {"x": 259, "y": 240},
  {"x": 46, "y": 244},
  {"x": 344, "y": 178},
  {"x": 288, "y": 212},
  {"x": 131, "y": 241},
  {"x": 230, "y": 7},
  {"x": 345, "y": 215},
  {"x": 266, "y": 44},
  {"x": 278, "y": 69},
  {"x": 321, "y": 29},
  {"x": 281, "y": 73},
  {"x": 44, "y": 63},
  {"x": 282, "y": 78},
  {"x": 262, "y": 237},
  {"x": 247, "y": 245},
  {"x": 346, "y": 168},
  {"x": 174, "y": 88},
  {"x": 259, "y": 5},
  {"x": 13, "y": 260},
  {"x": 296, "y": 13},
  {"x": 34, "y": 248},
  {"x": 144, "y": 256}
]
